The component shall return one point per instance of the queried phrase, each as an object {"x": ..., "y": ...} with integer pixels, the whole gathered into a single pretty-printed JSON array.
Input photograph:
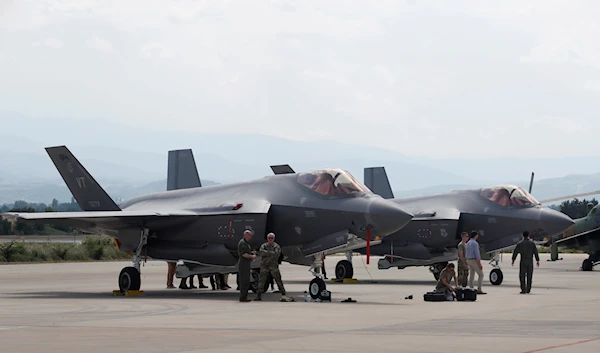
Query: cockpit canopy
[
  {"x": 331, "y": 182},
  {"x": 509, "y": 195}
]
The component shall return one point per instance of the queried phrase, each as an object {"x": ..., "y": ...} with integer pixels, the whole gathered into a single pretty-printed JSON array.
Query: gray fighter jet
[
  {"x": 500, "y": 214},
  {"x": 311, "y": 212}
]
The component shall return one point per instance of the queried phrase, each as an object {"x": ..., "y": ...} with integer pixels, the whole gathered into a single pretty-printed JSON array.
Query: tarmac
[{"x": 69, "y": 307}]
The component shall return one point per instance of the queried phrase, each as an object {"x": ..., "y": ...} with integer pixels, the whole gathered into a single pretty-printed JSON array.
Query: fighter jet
[
  {"x": 583, "y": 235},
  {"x": 204, "y": 225},
  {"x": 500, "y": 214}
]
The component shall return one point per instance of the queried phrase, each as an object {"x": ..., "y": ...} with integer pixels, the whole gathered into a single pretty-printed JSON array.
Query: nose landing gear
[{"x": 496, "y": 275}]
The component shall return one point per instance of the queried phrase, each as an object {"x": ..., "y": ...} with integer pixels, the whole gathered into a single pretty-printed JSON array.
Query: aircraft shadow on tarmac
[
  {"x": 378, "y": 282},
  {"x": 232, "y": 296}
]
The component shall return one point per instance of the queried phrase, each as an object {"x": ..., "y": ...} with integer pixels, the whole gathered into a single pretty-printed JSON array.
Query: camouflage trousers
[
  {"x": 463, "y": 274},
  {"x": 264, "y": 275}
]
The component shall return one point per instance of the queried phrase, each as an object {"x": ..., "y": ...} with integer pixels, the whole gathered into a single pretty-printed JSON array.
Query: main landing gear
[
  {"x": 130, "y": 278},
  {"x": 436, "y": 269},
  {"x": 589, "y": 263},
  {"x": 344, "y": 268},
  {"x": 496, "y": 275}
]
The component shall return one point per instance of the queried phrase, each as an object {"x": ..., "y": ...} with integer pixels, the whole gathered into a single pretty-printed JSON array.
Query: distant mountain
[
  {"x": 124, "y": 159},
  {"x": 43, "y": 192}
]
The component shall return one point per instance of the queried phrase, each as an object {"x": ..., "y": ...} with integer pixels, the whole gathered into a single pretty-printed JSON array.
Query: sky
[{"x": 436, "y": 79}]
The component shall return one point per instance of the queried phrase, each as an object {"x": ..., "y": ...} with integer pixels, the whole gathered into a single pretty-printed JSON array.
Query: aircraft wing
[
  {"x": 576, "y": 239},
  {"x": 97, "y": 219},
  {"x": 114, "y": 220}
]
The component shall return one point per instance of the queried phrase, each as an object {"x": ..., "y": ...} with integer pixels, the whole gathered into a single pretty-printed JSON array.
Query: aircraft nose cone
[
  {"x": 387, "y": 217},
  {"x": 554, "y": 221}
]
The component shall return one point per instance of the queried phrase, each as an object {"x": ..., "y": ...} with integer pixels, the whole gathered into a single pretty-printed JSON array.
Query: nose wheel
[
  {"x": 315, "y": 288},
  {"x": 496, "y": 275}
]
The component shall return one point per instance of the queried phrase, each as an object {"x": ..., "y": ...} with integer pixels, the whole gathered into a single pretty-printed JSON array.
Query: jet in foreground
[
  {"x": 311, "y": 212},
  {"x": 500, "y": 214}
]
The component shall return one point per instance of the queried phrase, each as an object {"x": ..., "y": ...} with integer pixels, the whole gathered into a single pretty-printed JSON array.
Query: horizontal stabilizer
[
  {"x": 182, "y": 172},
  {"x": 87, "y": 192},
  {"x": 377, "y": 181},
  {"x": 282, "y": 169}
]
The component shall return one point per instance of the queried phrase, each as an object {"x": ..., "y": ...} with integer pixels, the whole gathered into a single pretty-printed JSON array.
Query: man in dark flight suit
[
  {"x": 528, "y": 250},
  {"x": 246, "y": 256}
]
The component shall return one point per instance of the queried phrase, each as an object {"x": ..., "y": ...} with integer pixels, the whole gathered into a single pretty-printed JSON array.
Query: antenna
[{"x": 531, "y": 182}]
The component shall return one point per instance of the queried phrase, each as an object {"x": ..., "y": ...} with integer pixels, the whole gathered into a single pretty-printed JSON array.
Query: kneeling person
[
  {"x": 443, "y": 284},
  {"x": 269, "y": 264}
]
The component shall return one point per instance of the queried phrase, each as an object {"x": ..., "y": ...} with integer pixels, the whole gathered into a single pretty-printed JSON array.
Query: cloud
[
  {"x": 100, "y": 45},
  {"x": 155, "y": 50},
  {"x": 49, "y": 42},
  {"x": 562, "y": 124}
]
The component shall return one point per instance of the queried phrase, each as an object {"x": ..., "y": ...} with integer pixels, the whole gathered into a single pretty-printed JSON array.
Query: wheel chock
[
  {"x": 345, "y": 280},
  {"x": 129, "y": 293},
  {"x": 134, "y": 293}
]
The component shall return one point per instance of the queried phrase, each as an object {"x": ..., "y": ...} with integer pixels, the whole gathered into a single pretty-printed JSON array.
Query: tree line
[{"x": 9, "y": 228}]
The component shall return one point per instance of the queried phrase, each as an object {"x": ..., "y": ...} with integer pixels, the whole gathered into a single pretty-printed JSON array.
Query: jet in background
[
  {"x": 204, "y": 225},
  {"x": 500, "y": 214},
  {"x": 583, "y": 235}
]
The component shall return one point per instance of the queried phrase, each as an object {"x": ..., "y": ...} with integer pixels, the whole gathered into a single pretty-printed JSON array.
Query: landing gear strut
[
  {"x": 436, "y": 269},
  {"x": 130, "y": 278},
  {"x": 496, "y": 275},
  {"x": 317, "y": 285}
]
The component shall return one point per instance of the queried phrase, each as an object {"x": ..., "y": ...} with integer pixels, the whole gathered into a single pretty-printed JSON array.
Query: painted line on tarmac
[{"x": 564, "y": 345}]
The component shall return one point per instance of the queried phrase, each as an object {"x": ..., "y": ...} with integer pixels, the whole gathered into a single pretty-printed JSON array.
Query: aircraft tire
[
  {"x": 436, "y": 275},
  {"x": 587, "y": 265},
  {"x": 315, "y": 287},
  {"x": 344, "y": 269},
  {"x": 129, "y": 279},
  {"x": 496, "y": 277}
]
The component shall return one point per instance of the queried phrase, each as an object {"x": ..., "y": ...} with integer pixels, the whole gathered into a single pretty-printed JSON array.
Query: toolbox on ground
[
  {"x": 434, "y": 297},
  {"x": 466, "y": 294}
]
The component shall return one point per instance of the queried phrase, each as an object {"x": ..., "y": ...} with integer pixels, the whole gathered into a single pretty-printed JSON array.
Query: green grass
[{"x": 93, "y": 248}]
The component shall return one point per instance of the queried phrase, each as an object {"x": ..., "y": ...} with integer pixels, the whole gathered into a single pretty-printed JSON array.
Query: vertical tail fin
[
  {"x": 182, "y": 172},
  {"x": 87, "y": 192},
  {"x": 376, "y": 179},
  {"x": 282, "y": 169}
]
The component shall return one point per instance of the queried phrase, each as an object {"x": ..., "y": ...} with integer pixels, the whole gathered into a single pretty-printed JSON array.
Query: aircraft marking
[{"x": 81, "y": 182}]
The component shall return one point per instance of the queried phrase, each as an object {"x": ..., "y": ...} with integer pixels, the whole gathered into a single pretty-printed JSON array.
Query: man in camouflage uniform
[
  {"x": 463, "y": 267},
  {"x": 443, "y": 284},
  {"x": 528, "y": 250},
  {"x": 269, "y": 264}
]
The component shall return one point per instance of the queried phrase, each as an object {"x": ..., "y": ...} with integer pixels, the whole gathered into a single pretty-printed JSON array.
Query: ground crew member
[
  {"x": 443, "y": 284},
  {"x": 172, "y": 265},
  {"x": 269, "y": 264},
  {"x": 463, "y": 267},
  {"x": 474, "y": 262},
  {"x": 528, "y": 250},
  {"x": 246, "y": 256}
]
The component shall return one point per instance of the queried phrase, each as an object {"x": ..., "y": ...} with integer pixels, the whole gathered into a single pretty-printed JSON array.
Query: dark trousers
[
  {"x": 244, "y": 278},
  {"x": 525, "y": 275}
]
